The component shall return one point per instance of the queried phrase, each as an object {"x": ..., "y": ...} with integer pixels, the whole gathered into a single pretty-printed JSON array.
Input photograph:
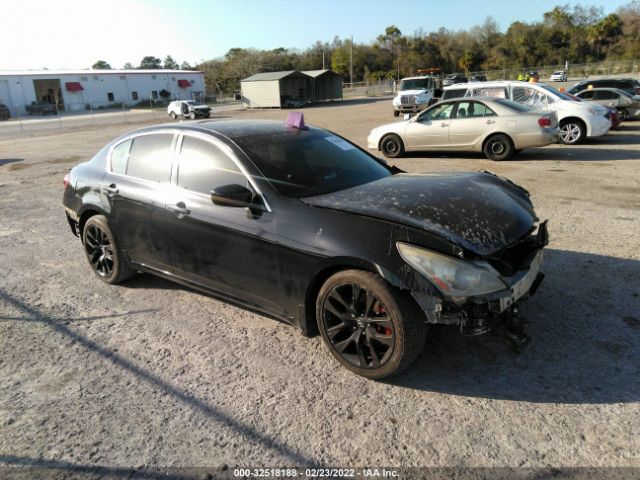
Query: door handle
[
  {"x": 444, "y": 125},
  {"x": 111, "y": 190},
  {"x": 179, "y": 209},
  {"x": 489, "y": 122}
]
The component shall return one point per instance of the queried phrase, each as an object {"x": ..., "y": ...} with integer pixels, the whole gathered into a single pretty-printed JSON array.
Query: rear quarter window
[{"x": 120, "y": 157}]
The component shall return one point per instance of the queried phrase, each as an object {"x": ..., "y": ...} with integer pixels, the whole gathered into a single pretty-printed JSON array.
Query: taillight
[
  {"x": 637, "y": 90},
  {"x": 65, "y": 181},
  {"x": 544, "y": 121}
]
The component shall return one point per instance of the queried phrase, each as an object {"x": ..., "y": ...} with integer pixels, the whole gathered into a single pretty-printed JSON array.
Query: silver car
[
  {"x": 495, "y": 126},
  {"x": 628, "y": 105}
]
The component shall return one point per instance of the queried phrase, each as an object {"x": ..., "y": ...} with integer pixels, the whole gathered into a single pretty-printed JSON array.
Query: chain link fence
[
  {"x": 46, "y": 116},
  {"x": 575, "y": 71},
  {"x": 368, "y": 89}
]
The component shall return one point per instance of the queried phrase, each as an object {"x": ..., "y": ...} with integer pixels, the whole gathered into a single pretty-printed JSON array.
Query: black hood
[{"x": 479, "y": 212}]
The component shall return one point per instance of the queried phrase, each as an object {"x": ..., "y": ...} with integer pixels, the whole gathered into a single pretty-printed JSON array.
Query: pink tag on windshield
[{"x": 296, "y": 120}]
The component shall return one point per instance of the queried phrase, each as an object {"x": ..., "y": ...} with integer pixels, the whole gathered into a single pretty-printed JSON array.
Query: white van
[{"x": 577, "y": 119}]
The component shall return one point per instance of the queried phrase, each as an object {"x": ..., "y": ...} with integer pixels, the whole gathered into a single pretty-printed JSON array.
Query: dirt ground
[{"x": 105, "y": 380}]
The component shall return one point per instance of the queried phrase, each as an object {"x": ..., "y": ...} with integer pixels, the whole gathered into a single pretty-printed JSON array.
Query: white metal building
[{"x": 77, "y": 89}]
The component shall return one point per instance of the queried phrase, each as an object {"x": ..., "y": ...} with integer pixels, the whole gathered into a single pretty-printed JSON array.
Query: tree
[
  {"x": 170, "y": 63},
  {"x": 186, "y": 66},
  {"x": 101, "y": 65},
  {"x": 466, "y": 61},
  {"x": 128, "y": 66},
  {"x": 150, "y": 63}
]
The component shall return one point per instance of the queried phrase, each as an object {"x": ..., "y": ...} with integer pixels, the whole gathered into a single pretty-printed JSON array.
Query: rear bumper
[{"x": 546, "y": 136}]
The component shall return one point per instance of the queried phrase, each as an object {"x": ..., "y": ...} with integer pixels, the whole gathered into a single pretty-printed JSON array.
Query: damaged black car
[{"x": 302, "y": 225}]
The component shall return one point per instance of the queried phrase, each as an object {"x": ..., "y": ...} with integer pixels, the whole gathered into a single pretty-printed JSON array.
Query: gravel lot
[{"x": 96, "y": 379}]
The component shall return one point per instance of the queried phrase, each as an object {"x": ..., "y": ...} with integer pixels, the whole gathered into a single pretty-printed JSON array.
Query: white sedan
[{"x": 496, "y": 126}]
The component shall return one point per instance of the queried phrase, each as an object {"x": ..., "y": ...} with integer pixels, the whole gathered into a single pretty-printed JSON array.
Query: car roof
[{"x": 232, "y": 129}]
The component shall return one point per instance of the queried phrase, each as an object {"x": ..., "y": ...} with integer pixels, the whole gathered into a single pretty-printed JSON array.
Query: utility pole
[
  {"x": 351, "y": 69},
  {"x": 323, "y": 59}
]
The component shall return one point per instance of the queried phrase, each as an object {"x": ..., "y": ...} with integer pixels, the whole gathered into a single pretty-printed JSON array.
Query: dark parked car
[
  {"x": 629, "y": 85},
  {"x": 453, "y": 79},
  {"x": 300, "y": 224},
  {"x": 479, "y": 78}
]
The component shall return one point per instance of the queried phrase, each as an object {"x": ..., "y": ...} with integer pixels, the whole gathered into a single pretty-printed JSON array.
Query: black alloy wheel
[
  {"x": 369, "y": 328},
  {"x": 99, "y": 250},
  {"x": 102, "y": 251},
  {"x": 391, "y": 146}
]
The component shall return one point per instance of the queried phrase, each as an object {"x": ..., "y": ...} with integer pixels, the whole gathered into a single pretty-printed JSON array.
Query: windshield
[
  {"x": 415, "y": 84},
  {"x": 557, "y": 93},
  {"x": 302, "y": 163}
]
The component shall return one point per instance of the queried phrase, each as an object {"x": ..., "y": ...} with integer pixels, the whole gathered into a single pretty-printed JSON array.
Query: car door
[
  {"x": 219, "y": 247},
  {"x": 607, "y": 98},
  {"x": 430, "y": 130},
  {"x": 134, "y": 186},
  {"x": 472, "y": 122}
]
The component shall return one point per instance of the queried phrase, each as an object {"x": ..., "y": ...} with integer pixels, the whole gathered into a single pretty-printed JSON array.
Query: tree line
[
  {"x": 574, "y": 34},
  {"x": 148, "y": 63}
]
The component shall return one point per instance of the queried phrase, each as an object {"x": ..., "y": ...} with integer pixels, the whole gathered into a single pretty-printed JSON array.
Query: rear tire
[
  {"x": 173, "y": 115},
  {"x": 371, "y": 328},
  {"x": 192, "y": 115},
  {"x": 572, "y": 131},
  {"x": 391, "y": 146},
  {"x": 103, "y": 253},
  {"x": 498, "y": 147}
]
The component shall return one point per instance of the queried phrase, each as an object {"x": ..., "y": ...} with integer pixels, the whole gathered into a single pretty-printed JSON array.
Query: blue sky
[{"x": 78, "y": 32}]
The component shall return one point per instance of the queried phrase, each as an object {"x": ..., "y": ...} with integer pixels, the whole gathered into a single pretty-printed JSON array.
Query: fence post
[
  {"x": 93, "y": 118},
  {"x": 58, "y": 114},
  {"x": 19, "y": 119},
  {"x": 124, "y": 112}
]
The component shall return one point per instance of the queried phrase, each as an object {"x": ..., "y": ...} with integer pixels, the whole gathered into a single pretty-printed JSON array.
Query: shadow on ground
[{"x": 585, "y": 325}]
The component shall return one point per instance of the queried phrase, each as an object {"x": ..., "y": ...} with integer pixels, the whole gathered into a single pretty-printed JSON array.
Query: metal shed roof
[
  {"x": 258, "y": 77},
  {"x": 317, "y": 73}
]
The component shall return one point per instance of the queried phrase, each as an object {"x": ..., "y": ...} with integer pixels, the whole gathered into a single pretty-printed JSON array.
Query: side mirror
[
  {"x": 407, "y": 116},
  {"x": 232, "y": 196}
]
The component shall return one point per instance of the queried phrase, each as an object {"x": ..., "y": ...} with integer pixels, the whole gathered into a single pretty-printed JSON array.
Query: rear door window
[
  {"x": 605, "y": 95},
  {"x": 150, "y": 157},
  {"x": 496, "y": 92},
  {"x": 203, "y": 166}
]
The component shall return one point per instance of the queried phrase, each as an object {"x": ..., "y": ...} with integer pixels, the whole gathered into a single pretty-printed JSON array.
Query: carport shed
[
  {"x": 326, "y": 85},
  {"x": 265, "y": 90}
]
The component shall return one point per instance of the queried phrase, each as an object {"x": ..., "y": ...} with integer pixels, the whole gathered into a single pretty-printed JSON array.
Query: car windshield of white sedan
[{"x": 302, "y": 163}]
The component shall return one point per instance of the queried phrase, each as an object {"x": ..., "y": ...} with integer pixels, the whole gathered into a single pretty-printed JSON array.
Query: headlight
[{"x": 454, "y": 278}]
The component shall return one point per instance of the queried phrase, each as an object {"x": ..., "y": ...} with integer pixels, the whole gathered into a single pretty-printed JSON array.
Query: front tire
[
  {"x": 371, "y": 328},
  {"x": 192, "y": 115},
  {"x": 396, "y": 113},
  {"x": 391, "y": 146},
  {"x": 103, "y": 253},
  {"x": 624, "y": 115},
  {"x": 572, "y": 132},
  {"x": 498, "y": 147}
]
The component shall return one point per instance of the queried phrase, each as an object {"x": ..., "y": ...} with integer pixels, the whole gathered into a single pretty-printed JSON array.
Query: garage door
[{"x": 5, "y": 97}]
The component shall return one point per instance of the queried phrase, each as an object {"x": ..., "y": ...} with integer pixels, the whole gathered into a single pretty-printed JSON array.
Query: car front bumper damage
[{"x": 496, "y": 312}]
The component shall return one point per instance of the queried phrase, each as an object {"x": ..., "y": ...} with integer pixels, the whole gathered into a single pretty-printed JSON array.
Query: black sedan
[{"x": 300, "y": 224}]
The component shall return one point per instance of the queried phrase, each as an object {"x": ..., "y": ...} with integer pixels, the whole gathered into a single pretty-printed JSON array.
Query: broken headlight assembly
[{"x": 453, "y": 277}]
